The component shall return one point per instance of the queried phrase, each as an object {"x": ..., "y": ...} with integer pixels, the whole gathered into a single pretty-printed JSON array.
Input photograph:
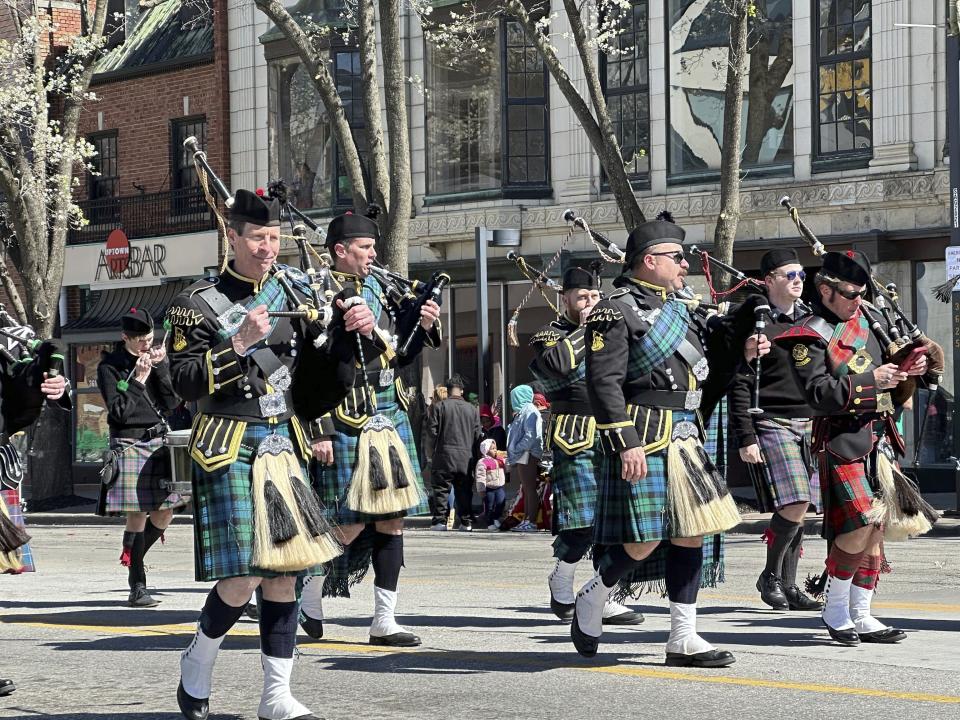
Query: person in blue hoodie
[{"x": 524, "y": 450}]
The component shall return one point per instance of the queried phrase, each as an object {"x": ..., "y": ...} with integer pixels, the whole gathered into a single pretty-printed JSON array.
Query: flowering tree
[{"x": 42, "y": 91}]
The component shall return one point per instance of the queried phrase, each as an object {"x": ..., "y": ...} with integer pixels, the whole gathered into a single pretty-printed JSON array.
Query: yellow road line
[
  {"x": 778, "y": 684},
  {"x": 497, "y": 659}
]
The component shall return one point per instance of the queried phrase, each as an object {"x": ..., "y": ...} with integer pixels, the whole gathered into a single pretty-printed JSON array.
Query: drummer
[{"x": 135, "y": 383}]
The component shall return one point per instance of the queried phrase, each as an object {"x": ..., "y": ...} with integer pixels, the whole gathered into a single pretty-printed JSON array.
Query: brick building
[{"x": 163, "y": 79}]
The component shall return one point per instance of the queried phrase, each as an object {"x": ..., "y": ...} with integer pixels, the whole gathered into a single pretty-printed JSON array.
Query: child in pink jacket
[{"x": 490, "y": 479}]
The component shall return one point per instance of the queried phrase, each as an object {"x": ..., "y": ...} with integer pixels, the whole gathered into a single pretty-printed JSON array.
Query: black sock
[
  {"x": 278, "y": 628},
  {"x": 387, "y": 560},
  {"x": 599, "y": 551},
  {"x": 217, "y": 617},
  {"x": 128, "y": 537},
  {"x": 782, "y": 531},
  {"x": 791, "y": 558},
  {"x": 572, "y": 545},
  {"x": 151, "y": 533},
  {"x": 615, "y": 564},
  {"x": 683, "y": 573},
  {"x": 136, "y": 574}
]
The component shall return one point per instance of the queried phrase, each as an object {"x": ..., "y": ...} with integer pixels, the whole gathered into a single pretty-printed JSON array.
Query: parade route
[{"x": 492, "y": 649}]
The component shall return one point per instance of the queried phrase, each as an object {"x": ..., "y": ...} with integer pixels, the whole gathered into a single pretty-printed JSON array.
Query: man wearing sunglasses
[
  {"x": 774, "y": 444},
  {"x": 837, "y": 362},
  {"x": 645, "y": 366}
]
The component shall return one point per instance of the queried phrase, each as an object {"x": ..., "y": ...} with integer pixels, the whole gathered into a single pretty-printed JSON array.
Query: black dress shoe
[
  {"x": 400, "y": 639},
  {"x": 140, "y": 598},
  {"x": 311, "y": 626},
  {"x": 585, "y": 644},
  {"x": 887, "y": 635},
  {"x": 627, "y": 618},
  {"x": 844, "y": 637},
  {"x": 191, "y": 707},
  {"x": 800, "y": 601},
  {"x": 6, "y": 687},
  {"x": 708, "y": 659},
  {"x": 252, "y": 611},
  {"x": 771, "y": 591},
  {"x": 564, "y": 611}
]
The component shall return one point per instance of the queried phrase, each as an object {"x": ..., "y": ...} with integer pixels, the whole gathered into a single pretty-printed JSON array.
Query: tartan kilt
[
  {"x": 574, "y": 480},
  {"x": 11, "y": 498},
  {"x": 223, "y": 514},
  {"x": 332, "y": 482},
  {"x": 786, "y": 473},
  {"x": 847, "y": 494},
  {"x": 141, "y": 484}
]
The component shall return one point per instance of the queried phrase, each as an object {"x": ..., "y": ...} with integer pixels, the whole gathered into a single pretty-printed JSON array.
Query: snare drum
[{"x": 181, "y": 466}]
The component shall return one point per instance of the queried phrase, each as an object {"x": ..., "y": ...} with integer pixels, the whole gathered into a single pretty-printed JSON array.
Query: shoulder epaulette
[
  {"x": 603, "y": 313},
  {"x": 546, "y": 336},
  {"x": 799, "y": 333},
  {"x": 201, "y": 284}
]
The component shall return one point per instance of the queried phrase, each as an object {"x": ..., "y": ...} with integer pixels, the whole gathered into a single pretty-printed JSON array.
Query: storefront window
[
  {"x": 92, "y": 435},
  {"x": 936, "y": 409},
  {"x": 698, "y": 43}
]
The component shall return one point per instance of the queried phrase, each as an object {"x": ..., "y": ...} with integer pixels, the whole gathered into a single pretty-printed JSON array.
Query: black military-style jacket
[
  {"x": 645, "y": 355},
  {"x": 381, "y": 361},
  {"x": 560, "y": 366},
  {"x": 258, "y": 388},
  {"x": 132, "y": 412},
  {"x": 20, "y": 397},
  {"x": 847, "y": 405},
  {"x": 780, "y": 396}
]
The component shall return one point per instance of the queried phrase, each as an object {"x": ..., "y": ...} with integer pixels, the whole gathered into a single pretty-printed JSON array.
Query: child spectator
[{"x": 490, "y": 480}]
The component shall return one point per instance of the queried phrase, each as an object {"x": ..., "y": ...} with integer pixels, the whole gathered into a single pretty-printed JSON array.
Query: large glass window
[
  {"x": 303, "y": 149},
  {"x": 186, "y": 198},
  {"x": 487, "y": 123},
  {"x": 92, "y": 434},
  {"x": 625, "y": 78},
  {"x": 697, "y": 74},
  {"x": 843, "y": 80},
  {"x": 105, "y": 180}
]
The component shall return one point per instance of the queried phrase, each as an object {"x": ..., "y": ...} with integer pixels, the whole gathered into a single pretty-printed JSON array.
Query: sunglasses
[
  {"x": 792, "y": 275},
  {"x": 678, "y": 256},
  {"x": 848, "y": 294}
]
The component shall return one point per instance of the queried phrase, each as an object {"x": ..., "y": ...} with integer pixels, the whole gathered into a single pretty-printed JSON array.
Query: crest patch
[
  {"x": 597, "y": 343},
  {"x": 801, "y": 355},
  {"x": 179, "y": 339}
]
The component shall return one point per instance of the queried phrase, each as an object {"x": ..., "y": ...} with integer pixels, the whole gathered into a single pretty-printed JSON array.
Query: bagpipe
[{"x": 899, "y": 504}]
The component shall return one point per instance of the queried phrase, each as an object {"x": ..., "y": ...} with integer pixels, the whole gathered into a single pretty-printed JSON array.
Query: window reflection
[
  {"x": 698, "y": 42},
  {"x": 934, "y": 318}
]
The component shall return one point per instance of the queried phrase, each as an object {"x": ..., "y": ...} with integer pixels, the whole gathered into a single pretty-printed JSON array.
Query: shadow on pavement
[
  {"x": 108, "y": 617},
  {"x": 120, "y": 715}
]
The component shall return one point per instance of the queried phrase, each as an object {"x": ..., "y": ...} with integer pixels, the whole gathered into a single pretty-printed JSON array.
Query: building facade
[{"x": 844, "y": 111}]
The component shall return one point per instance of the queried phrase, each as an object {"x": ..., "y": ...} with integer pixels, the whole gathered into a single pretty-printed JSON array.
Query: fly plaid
[
  {"x": 848, "y": 338},
  {"x": 272, "y": 295},
  {"x": 666, "y": 333},
  {"x": 786, "y": 475},
  {"x": 552, "y": 384}
]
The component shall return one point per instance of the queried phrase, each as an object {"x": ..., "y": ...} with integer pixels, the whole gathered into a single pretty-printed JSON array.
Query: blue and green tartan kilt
[
  {"x": 223, "y": 514},
  {"x": 574, "y": 482},
  {"x": 141, "y": 484},
  {"x": 332, "y": 482},
  {"x": 787, "y": 471}
]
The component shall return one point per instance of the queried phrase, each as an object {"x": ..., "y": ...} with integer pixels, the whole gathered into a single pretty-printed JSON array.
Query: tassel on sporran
[
  {"x": 699, "y": 501},
  {"x": 289, "y": 532},
  {"x": 381, "y": 476},
  {"x": 900, "y": 507}
]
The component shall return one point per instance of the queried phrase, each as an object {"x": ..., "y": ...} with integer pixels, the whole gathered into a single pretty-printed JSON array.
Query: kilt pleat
[
  {"x": 847, "y": 494},
  {"x": 141, "y": 484},
  {"x": 223, "y": 514},
  {"x": 574, "y": 479}
]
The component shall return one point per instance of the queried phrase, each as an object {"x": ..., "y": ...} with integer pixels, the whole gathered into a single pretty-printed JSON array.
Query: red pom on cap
[
  {"x": 260, "y": 192},
  {"x": 349, "y": 212},
  {"x": 133, "y": 309},
  {"x": 850, "y": 254}
]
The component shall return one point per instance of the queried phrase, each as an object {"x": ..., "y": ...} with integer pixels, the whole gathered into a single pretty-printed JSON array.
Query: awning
[{"x": 102, "y": 322}]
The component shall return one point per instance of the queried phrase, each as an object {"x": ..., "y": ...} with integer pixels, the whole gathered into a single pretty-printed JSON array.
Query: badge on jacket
[
  {"x": 801, "y": 355},
  {"x": 597, "y": 343}
]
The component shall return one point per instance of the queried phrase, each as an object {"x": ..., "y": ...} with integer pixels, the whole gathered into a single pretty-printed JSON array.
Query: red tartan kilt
[{"x": 847, "y": 495}]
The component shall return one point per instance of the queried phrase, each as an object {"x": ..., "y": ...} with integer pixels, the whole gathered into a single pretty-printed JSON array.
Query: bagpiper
[
  {"x": 134, "y": 380},
  {"x": 775, "y": 442},
  {"x": 369, "y": 477},
  {"x": 658, "y": 493},
  {"x": 838, "y": 362},
  {"x": 560, "y": 366},
  {"x": 257, "y": 522}
]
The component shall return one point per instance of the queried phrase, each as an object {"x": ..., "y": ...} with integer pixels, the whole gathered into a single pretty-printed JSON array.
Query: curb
[{"x": 751, "y": 524}]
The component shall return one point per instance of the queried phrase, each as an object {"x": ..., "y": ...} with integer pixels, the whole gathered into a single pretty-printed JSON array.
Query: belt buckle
[
  {"x": 272, "y": 404},
  {"x": 691, "y": 400}
]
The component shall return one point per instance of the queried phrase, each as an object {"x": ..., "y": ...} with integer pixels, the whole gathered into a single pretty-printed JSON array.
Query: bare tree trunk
[
  {"x": 316, "y": 65},
  {"x": 397, "y": 229},
  {"x": 729, "y": 218},
  {"x": 602, "y": 138}
]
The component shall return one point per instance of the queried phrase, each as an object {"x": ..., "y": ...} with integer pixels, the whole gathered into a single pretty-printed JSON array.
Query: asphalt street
[{"x": 492, "y": 649}]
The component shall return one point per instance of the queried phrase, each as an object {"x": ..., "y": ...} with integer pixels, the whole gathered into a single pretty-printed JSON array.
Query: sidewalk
[{"x": 751, "y": 524}]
